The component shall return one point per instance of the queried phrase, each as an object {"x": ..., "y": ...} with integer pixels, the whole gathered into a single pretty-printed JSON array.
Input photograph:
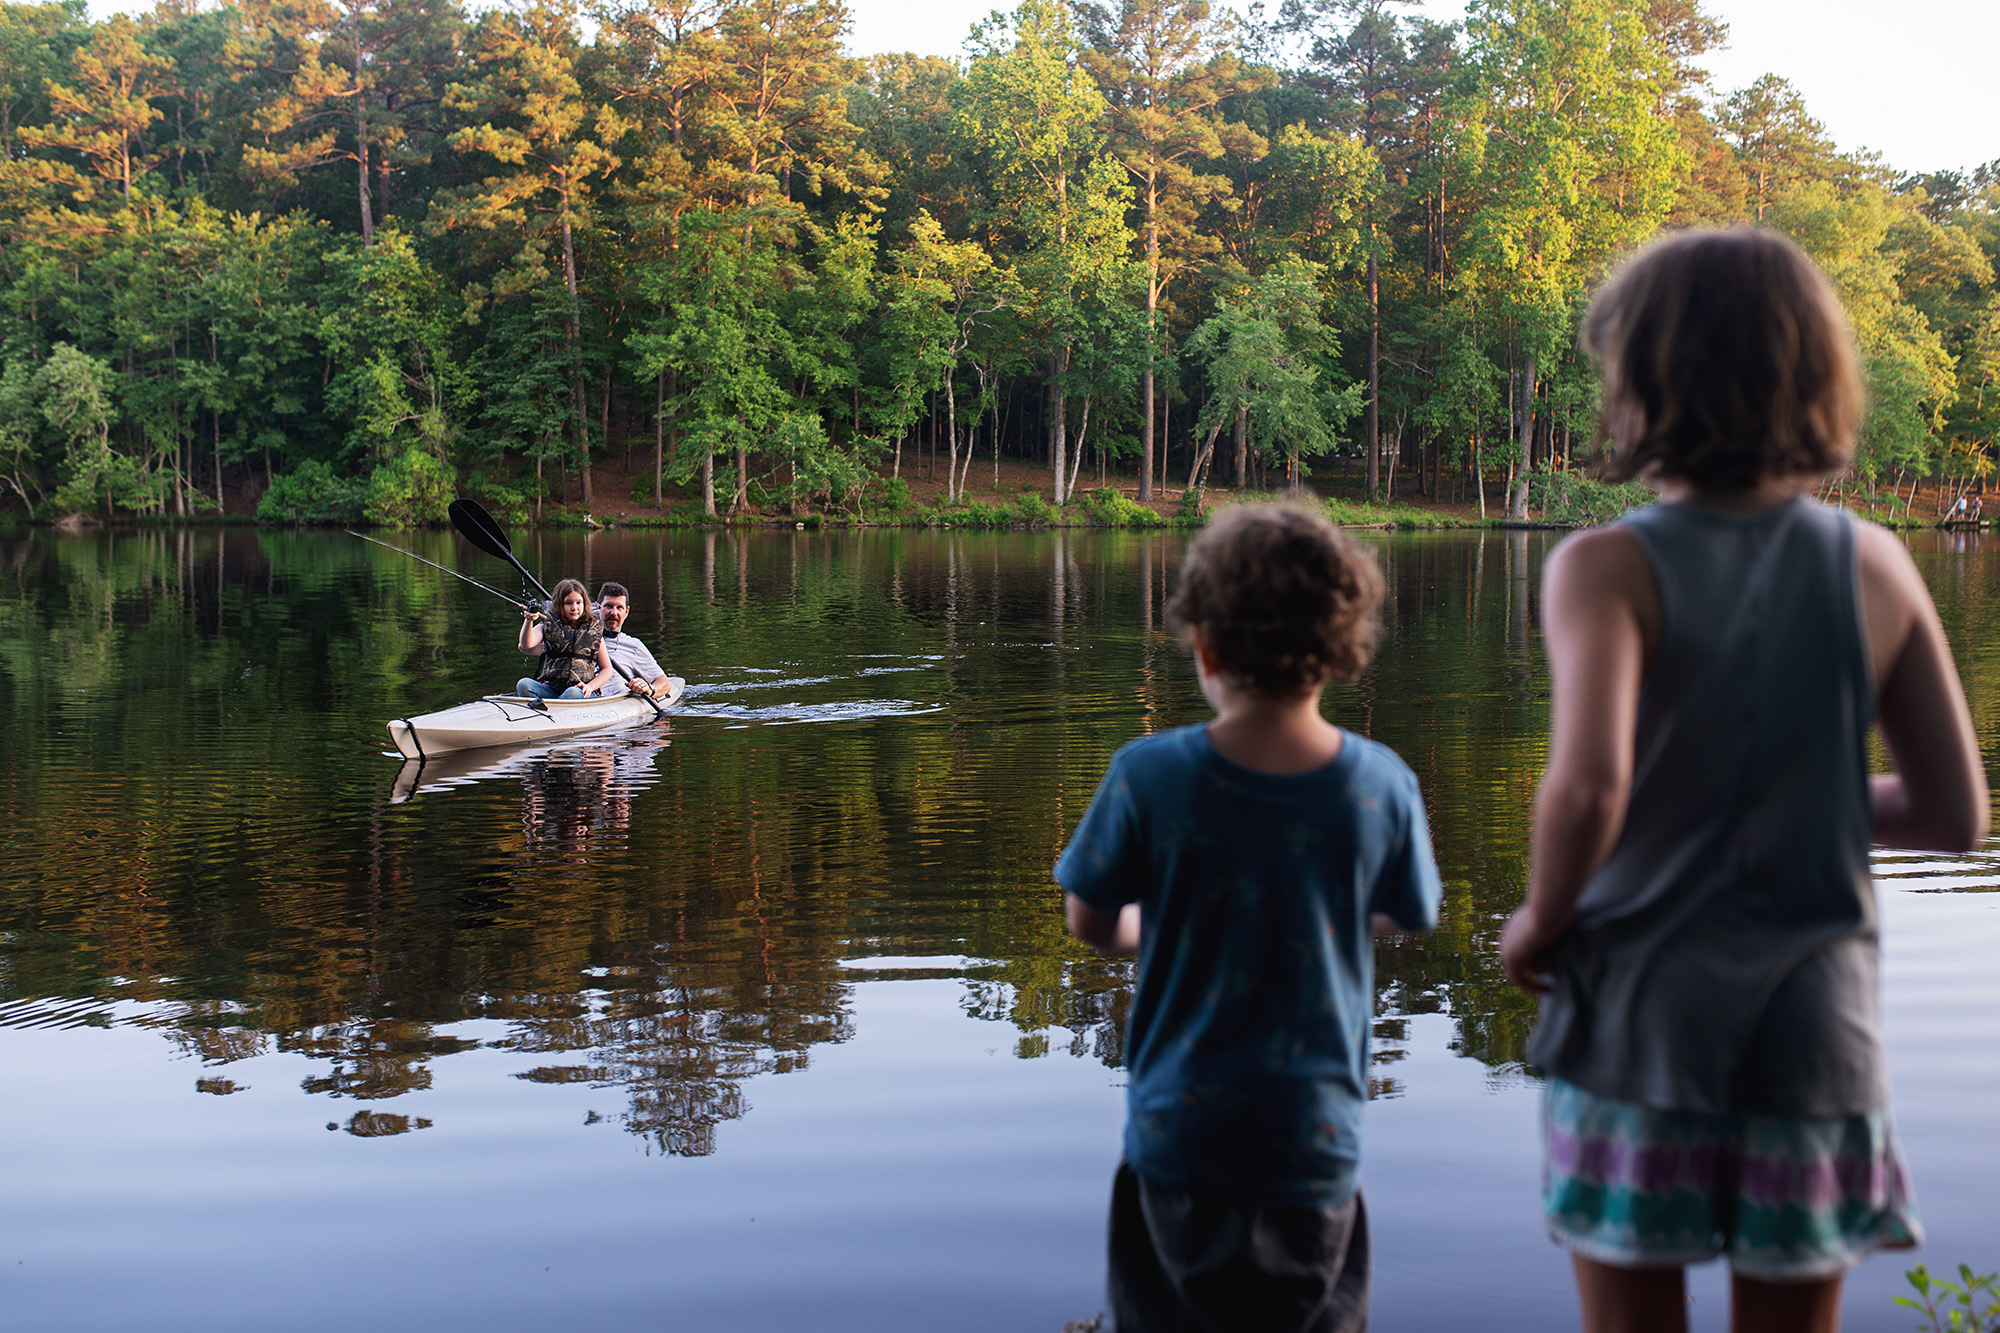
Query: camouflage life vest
[{"x": 569, "y": 652}]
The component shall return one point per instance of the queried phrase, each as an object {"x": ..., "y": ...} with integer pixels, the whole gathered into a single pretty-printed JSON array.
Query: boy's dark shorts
[{"x": 1187, "y": 1261}]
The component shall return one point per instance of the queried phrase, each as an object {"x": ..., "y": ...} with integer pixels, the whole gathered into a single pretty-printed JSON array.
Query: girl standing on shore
[{"x": 1701, "y": 923}]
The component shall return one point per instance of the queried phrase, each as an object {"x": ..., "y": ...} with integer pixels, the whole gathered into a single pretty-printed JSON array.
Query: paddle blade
[{"x": 479, "y": 528}]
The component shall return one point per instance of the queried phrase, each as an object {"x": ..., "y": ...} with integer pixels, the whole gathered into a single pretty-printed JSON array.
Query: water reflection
[{"x": 720, "y": 864}]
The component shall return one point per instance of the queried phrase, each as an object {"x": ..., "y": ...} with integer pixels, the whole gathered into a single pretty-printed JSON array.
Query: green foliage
[
  {"x": 413, "y": 490},
  {"x": 1107, "y": 507},
  {"x": 1571, "y": 497},
  {"x": 1265, "y": 352},
  {"x": 313, "y": 493},
  {"x": 512, "y": 240},
  {"x": 1970, "y": 1305},
  {"x": 74, "y": 392},
  {"x": 886, "y": 499},
  {"x": 1032, "y": 511},
  {"x": 1360, "y": 514}
]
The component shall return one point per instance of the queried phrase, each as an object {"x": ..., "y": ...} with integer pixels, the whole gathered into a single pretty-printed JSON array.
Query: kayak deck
[{"x": 509, "y": 719}]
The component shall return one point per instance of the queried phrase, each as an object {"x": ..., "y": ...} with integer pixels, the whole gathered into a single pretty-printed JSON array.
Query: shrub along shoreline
[{"x": 1559, "y": 499}]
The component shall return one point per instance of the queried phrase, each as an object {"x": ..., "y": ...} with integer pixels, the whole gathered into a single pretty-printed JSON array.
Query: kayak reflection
[{"x": 571, "y": 789}]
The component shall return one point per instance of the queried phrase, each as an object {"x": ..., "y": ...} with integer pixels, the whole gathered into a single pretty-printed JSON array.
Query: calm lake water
[{"x": 762, "y": 1017}]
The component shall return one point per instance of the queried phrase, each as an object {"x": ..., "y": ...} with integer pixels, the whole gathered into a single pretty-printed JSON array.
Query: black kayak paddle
[{"x": 478, "y": 527}]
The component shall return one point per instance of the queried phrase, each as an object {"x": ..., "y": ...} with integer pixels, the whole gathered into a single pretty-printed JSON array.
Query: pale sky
[{"x": 1916, "y": 80}]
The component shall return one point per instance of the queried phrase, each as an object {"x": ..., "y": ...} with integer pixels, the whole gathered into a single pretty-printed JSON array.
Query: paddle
[{"x": 478, "y": 527}]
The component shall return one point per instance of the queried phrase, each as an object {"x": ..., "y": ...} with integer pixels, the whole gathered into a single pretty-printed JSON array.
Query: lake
[{"x": 761, "y": 1017}]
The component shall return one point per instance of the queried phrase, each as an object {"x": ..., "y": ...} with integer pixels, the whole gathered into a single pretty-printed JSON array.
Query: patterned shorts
[{"x": 1787, "y": 1199}]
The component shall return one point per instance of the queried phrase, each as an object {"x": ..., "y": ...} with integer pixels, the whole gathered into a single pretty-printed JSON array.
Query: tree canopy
[{"x": 351, "y": 256}]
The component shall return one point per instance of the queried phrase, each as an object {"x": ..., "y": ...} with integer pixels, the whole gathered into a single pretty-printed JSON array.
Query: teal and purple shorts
[{"x": 1786, "y": 1199}]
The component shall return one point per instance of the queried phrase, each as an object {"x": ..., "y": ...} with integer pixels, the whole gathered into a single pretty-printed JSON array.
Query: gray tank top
[{"x": 1724, "y": 959}]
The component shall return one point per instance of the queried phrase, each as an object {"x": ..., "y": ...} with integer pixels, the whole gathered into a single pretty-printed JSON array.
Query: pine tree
[{"x": 1166, "y": 69}]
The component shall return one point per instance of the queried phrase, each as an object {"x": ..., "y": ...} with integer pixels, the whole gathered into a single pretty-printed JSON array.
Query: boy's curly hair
[{"x": 1283, "y": 600}]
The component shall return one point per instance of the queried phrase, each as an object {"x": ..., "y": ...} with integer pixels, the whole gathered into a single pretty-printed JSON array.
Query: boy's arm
[
  {"x": 1101, "y": 870},
  {"x": 1407, "y": 894},
  {"x": 1112, "y": 933}
]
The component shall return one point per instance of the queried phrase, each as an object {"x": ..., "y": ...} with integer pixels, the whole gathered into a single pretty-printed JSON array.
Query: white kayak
[{"x": 509, "y": 719}]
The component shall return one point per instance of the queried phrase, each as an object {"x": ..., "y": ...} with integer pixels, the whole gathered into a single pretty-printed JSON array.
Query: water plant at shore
[{"x": 1969, "y": 1305}]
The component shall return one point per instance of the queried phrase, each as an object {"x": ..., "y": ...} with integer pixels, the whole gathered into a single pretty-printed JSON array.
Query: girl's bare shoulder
[
  {"x": 1604, "y": 559},
  {"x": 1890, "y": 592}
]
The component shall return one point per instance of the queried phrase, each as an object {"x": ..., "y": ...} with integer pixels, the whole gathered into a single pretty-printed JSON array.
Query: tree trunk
[
  {"x": 1198, "y": 469},
  {"x": 742, "y": 498},
  {"x": 1479, "y": 478},
  {"x": 1517, "y": 500},
  {"x": 999, "y": 425},
  {"x": 361, "y": 139},
  {"x": 659, "y": 438},
  {"x": 1058, "y": 426},
  {"x": 1241, "y": 437},
  {"x": 1373, "y": 424},
  {"x": 1146, "y": 419},
  {"x": 575, "y": 336},
  {"x": 951, "y": 435},
  {"x": 1083, "y": 429},
  {"x": 603, "y": 433},
  {"x": 708, "y": 482}
]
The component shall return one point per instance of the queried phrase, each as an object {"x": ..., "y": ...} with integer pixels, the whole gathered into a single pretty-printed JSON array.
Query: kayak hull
[{"x": 507, "y": 719}]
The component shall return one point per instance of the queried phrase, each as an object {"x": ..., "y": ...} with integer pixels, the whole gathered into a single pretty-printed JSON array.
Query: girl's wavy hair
[
  {"x": 564, "y": 589},
  {"x": 1726, "y": 358},
  {"x": 1284, "y": 600}
]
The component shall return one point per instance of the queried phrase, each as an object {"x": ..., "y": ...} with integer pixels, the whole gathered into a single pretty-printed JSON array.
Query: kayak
[{"x": 509, "y": 719}]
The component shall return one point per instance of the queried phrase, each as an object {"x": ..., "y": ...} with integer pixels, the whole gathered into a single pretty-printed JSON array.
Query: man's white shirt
[{"x": 630, "y": 658}]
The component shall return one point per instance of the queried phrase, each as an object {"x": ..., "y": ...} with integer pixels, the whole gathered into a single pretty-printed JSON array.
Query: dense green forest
[{"x": 340, "y": 259}]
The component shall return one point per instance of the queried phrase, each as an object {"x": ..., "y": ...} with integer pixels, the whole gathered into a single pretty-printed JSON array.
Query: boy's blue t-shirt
[{"x": 1247, "y": 1043}]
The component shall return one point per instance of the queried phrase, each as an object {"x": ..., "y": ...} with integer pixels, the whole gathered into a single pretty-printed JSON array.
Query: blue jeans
[{"x": 528, "y": 688}]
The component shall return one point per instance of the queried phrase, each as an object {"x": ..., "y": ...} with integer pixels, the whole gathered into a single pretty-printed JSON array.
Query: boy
[{"x": 1246, "y": 862}]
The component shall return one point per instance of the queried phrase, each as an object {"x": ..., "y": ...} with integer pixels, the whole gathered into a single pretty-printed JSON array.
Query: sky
[{"x": 1914, "y": 80}]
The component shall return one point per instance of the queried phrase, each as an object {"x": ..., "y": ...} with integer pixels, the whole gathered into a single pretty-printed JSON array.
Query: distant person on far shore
[
  {"x": 1701, "y": 924},
  {"x": 1248, "y": 862},
  {"x": 630, "y": 659},
  {"x": 571, "y": 643}
]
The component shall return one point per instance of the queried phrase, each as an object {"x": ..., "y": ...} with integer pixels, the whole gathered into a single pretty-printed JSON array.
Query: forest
[{"x": 340, "y": 260}]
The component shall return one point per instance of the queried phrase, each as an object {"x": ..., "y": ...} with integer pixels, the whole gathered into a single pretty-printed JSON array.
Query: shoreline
[{"x": 1018, "y": 503}]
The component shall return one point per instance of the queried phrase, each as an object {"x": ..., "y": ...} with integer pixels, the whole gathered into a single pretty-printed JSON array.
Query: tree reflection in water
[{"x": 887, "y": 739}]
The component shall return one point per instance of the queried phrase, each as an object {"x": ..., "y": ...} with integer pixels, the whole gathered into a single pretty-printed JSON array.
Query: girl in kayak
[
  {"x": 1700, "y": 923},
  {"x": 571, "y": 642}
]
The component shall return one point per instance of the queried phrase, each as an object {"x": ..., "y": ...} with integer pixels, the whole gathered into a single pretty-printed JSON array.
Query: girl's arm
[
  {"x": 531, "y": 633},
  {"x": 1937, "y": 797},
  {"x": 605, "y": 674},
  {"x": 1600, "y": 620}
]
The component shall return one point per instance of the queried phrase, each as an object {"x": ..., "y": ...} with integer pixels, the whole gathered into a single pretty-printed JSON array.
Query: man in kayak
[{"x": 629, "y": 657}]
